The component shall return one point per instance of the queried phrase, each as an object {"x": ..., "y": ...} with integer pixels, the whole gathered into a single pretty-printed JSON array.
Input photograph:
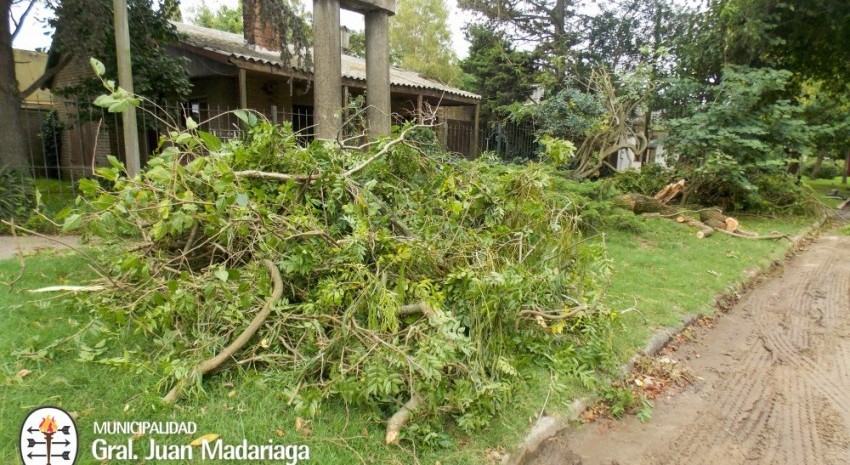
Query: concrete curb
[
  {"x": 544, "y": 428},
  {"x": 547, "y": 427}
]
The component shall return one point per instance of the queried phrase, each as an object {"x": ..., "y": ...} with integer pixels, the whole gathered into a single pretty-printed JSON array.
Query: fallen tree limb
[
  {"x": 640, "y": 204},
  {"x": 93, "y": 288},
  {"x": 420, "y": 307},
  {"x": 401, "y": 418},
  {"x": 212, "y": 363},
  {"x": 743, "y": 236},
  {"x": 670, "y": 192},
  {"x": 256, "y": 174}
]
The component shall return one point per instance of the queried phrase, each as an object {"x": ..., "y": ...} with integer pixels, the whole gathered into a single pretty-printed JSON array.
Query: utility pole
[{"x": 125, "y": 81}]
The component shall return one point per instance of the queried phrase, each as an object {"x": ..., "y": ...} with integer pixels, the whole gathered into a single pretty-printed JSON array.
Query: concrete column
[
  {"x": 327, "y": 69},
  {"x": 378, "y": 73},
  {"x": 475, "y": 129},
  {"x": 243, "y": 89}
]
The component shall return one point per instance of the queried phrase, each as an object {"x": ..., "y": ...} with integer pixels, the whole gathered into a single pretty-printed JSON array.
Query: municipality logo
[{"x": 48, "y": 437}]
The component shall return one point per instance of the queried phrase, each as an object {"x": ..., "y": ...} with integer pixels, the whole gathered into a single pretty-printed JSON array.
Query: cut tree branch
[{"x": 211, "y": 364}]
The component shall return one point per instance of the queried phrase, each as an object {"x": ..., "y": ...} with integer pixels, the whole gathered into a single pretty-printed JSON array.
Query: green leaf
[
  {"x": 158, "y": 230},
  {"x": 119, "y": 106},
  {"x": 242, "y": 199},
  {"x": 222, "y": 274},
  {"x": 97, "y": 66},
  {"x": 191, "y": 124},
  {"x": 212, "y": 142},
  {"x": 250, "y": 119},
  {"x": 72, "y": 222},
  {"x": 104, "y": 101}
]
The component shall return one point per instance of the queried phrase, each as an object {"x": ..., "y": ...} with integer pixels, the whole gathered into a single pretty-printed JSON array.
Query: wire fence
[{"x": 67, "y": 139}]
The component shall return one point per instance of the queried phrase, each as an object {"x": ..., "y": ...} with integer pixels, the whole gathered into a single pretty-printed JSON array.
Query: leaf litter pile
[{"x": 390, "y": 276}]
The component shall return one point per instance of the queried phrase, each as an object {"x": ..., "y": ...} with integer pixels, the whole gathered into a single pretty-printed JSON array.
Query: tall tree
[
  {"x": 811, "y": 38},
  {"x": 224, "y": 19},
  {"x": 82, "y": 32},
  {"x": 84, "y": 29},
  {"x": 13, "y": 149},
  {"x": 499, "y": 73},
  {"x": 420, "y": 40},
  {"x": 552, "y": 27}
]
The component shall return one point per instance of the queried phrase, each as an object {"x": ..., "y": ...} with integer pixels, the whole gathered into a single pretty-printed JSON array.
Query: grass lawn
[
  {"x": 55, "y": 194},
  {"x": 665, "y": 272},
  {"x": 823, "y": 187}
]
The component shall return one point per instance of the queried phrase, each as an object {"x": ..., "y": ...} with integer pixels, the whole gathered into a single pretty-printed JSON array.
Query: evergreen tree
[{"x": 500, "y": 74}]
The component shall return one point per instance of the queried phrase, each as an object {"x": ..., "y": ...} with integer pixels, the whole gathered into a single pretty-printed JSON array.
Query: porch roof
[{"x": 234, "y": 46}]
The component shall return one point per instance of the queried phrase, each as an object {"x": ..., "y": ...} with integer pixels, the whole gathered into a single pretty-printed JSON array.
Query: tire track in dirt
[{"x": 772, "y": 380}]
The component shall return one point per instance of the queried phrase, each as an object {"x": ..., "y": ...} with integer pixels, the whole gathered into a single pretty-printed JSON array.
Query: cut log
[
  {"x": 713, "y": 217},
  {"x": 732, "y": 224},
  {"x": 640, "y": 204},
  {"x": 703, "y": 229},
  {"x": 670, "y": 192}
]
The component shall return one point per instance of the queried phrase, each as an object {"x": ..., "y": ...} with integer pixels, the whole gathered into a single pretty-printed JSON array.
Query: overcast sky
[{"x": 36, "y": 34}]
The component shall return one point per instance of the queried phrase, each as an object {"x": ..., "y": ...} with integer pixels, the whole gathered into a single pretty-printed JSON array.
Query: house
[
  {"x": 231, "y": 71},
  {"x": 29, "y": 66}
]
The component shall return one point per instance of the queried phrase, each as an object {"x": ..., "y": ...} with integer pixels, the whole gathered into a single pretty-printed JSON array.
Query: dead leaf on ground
[
  {"x": 23, "y": 373},
  {"x": 205, "y": 438}
]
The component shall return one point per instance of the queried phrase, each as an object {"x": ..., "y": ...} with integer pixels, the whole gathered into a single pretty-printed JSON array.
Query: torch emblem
[{"x": 48, "y": 437}]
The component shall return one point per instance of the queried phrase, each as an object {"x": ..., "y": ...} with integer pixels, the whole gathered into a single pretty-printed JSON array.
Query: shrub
[
  {"x": 764, "y": 188},
  {"x": 828, "y": 169},
  {"x": 51, "y": 143},
  {"x": 17, "y": 194}
]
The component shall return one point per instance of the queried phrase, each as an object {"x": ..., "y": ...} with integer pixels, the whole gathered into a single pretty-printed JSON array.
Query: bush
[
  {"x": 17, "y": 194},
  {"x": 51, "y": 143},
  {"x": 828, "y": 169},
  {"x": 764, "y": 188}
]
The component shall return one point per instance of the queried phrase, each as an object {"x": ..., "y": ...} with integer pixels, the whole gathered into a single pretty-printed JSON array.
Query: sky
[{"x": 36, "y": 34}]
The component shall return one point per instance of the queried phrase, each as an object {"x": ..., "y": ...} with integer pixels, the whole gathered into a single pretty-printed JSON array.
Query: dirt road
[
  {"x": 11, "y": 246},
  {"x": 771, "y": 381}
]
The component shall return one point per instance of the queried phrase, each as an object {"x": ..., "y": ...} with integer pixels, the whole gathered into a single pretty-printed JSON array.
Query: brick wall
[{"x": 84, "y": 135}]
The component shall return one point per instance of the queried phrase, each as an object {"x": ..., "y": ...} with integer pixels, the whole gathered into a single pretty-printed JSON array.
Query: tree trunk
[
  {"x": 640, "y": 204},
  {"x": 13, "y": 150},
  {"x": 846, "y": 168},
  {"x": 816, "y": 167}
]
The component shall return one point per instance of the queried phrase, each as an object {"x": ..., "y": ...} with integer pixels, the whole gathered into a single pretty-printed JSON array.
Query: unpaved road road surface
[
  {"x": 11, "y": 246},
  {"x": 771, "y": 381}
]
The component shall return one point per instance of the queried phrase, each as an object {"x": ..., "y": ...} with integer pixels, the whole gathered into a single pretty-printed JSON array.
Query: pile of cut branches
[{"x": 389, "y": 275}]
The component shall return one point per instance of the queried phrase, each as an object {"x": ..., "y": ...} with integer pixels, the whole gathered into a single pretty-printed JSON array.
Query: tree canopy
[
  {"x": 420, "y": 40},
  {"x": 224, "y": 18},
  {"x": 498, "y": 72}
]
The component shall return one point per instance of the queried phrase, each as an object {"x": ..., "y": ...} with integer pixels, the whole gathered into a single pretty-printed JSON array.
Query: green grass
[
  {"x": 665, "y": 272},
  {"x": 823, "y": 188},
  {"x": 55, "y": 195}
]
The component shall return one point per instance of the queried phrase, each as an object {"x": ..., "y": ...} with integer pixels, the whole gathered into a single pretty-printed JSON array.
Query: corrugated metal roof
[{"x": 234, "y": 45}]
